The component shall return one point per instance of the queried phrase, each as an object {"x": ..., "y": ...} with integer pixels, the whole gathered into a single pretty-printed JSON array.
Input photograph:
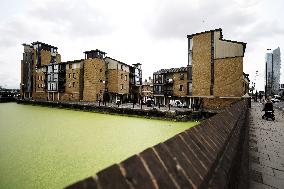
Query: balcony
[
  {"x": 158, "y": 93},
  {"x": 169, "y": 81},
  {"x": 168, "y": 93}
]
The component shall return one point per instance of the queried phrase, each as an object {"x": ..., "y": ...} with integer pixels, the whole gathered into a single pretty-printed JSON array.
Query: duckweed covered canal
[{"x": 43, "y": 147}]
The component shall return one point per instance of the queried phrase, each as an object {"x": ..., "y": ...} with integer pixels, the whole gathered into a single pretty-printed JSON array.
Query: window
[
  {"x": 38, "y": 77},
  {"x": 38, "y": 86},
  {"x": 55, "y": 77},
  {"x": 69, "y": 75},
  {"x": 73, "y": 84},
  {"x": 121, "y": 67},
  {"x": 125, "y": 77},
  {"x": 121, "y": 86},
  {"x": 42, "y": 85},
  {"x": 190, "y": 46},
  {"x": 121, "y": 76},
  {"x": 190, "y": 88},
  {"x": 101, "y": 70},
  {"x": 69, "y": 85},
  {"x": 70, "y": 66},
  {"x": 181, "y": 88},
  {"x": 74, "y": 75},
  {"x": 181, "y": 76},
  {"x": 49, "y": 69},
  {"x": 101, "y": 81},
  {"x": 55, "y": 68}
]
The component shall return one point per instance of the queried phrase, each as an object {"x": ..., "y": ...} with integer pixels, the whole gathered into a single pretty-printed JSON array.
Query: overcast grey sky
[{"x": 152, "y": 32}]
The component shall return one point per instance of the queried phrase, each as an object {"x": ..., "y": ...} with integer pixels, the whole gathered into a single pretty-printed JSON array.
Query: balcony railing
[{"x": 158, "y": 92}]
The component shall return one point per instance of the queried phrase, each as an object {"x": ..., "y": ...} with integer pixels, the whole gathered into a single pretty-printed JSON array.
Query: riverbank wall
[
  {"x": 213, "y": 154},
  {"x": 8, "y": 99},
  {"x": 175, "y": 115}
]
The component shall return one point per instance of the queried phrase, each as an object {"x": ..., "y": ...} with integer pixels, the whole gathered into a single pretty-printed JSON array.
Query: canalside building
[
  {"x": 170, "y": 84},
  {"x": 147, "y": 89},
  {"x": 96, "y": 77},
  {"x": 213, "y": 75},
  {"x": 217, "y": 68}
]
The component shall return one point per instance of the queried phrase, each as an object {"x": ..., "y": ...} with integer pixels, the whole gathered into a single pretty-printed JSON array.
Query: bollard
[{"x": 99, "y": 102}]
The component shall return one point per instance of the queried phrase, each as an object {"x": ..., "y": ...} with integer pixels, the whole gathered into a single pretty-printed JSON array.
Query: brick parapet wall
[
  {"x": 208, "y": 155},
  {"x": 219, "y": 103}
]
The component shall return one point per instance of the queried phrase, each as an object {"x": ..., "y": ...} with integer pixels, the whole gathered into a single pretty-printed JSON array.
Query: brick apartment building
[
  {"x": 45, "y": 77},
  {"x": 169, "y": 84},
  {"x": 217, "y": 68},
  {"x": 147, "y": 89},
  {"x": 118, "y": 79},
  {"x": 214, "y": 73}
]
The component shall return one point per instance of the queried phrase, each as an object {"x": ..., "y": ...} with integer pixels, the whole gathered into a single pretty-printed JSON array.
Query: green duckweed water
[{"x": 42, "y": 147}]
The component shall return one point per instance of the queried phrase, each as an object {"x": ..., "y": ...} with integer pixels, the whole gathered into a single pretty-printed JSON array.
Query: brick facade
[
  {"x": 58, "y": 58},
  {"x": 39, "y": 79},
  {"x": 74, "y": 81},
  {"x": 45, "y": 57},
  {"x": 112, "y": 81},
  {"x": 147, "y": 90},
  {"x": 201, "y": 57},
  {"x": 94, "y": 77},
  {"x": 217, "y": 68},
  {"x": 218, "y": 103},
  {"x": 217, "y": 64},
  {"x": 229, "y": 77},
  {"x": 180, "y": 84}
]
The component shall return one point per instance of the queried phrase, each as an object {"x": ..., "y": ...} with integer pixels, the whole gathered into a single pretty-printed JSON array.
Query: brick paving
[{"x": 266, "y": 154}]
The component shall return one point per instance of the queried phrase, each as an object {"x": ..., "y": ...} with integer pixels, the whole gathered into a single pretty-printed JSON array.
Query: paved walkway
[{"x": 266, "y": 156}]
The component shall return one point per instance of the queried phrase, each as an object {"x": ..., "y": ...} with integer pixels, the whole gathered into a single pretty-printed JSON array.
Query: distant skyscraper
[{"x": 273, "y": 65}]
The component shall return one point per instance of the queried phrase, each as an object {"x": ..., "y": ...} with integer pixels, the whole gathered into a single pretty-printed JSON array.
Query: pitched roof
[
  {"x": 221, "y": 36},
  {"x": 117, "y": 61},
  {"x": 190, "y": 36}
]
